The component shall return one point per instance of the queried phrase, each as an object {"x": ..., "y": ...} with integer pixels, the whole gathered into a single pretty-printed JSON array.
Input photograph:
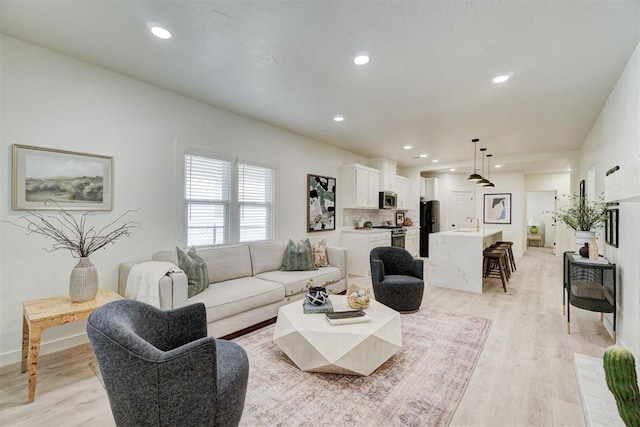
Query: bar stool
[
  {"x": 495, "y": 260},
  {"x": 509, "y": 244},
  {"x": 505, "y": 254}
]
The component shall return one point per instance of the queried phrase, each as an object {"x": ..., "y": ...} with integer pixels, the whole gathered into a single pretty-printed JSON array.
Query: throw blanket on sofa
[{"x": 142, "y": 283}]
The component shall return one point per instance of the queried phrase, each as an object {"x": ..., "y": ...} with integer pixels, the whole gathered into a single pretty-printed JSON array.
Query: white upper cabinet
[
  {"x": 431, "y": 189},
  {"x": 358, "y": 187},
  {"x": 403, "y": 186},
  {"x": 387, "y": 170}
]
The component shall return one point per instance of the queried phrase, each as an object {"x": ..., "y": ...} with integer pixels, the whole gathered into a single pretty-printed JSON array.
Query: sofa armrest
[
  {"x": 173, "y": 287},
  {"x": 337, "y": 257}
]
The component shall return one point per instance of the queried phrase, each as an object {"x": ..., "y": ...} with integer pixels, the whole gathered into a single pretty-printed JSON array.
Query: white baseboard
[{"x": 45, "y": 348}]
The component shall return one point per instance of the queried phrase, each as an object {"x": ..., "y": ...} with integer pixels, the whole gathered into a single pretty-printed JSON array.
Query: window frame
[{"x": 232, "y": 230}]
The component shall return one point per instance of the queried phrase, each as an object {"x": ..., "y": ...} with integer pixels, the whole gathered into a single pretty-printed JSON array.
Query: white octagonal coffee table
[{"x": 315, "y": 345}]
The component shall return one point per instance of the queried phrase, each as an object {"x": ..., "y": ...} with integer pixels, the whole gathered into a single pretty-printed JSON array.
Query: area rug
[{"x": 421, "y": 385}]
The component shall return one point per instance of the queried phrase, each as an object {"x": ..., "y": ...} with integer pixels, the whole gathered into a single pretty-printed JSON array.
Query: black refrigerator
[{"x": 429, "y": 223}]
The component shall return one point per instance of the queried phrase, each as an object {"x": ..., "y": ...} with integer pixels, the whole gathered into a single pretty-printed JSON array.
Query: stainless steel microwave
[{"x": 387, "y": 200}]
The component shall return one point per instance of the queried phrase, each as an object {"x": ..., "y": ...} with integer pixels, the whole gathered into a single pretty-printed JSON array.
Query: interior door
[{"x": 461, "y": 208}]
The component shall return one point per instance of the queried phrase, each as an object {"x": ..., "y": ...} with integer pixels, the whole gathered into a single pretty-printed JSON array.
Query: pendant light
[
  {"x": 474, "y": 177},
  {"x": 483, "y": 181},
  {"x": 490, "y": 184}
]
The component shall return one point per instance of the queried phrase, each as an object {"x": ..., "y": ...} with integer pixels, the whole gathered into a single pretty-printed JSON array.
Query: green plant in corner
[
  {"x": 620, "y": 373},
  {"x": 582, "y": 214}
]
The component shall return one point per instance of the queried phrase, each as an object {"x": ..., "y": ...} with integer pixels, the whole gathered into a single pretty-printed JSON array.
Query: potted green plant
[{"x": 584, "y": 216}]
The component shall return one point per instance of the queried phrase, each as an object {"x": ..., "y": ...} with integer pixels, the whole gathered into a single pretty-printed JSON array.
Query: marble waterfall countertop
[{"x": 455, "y": 257}]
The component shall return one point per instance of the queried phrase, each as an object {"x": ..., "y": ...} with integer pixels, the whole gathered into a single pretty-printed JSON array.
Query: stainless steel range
[{"x": 397, "y": 234}]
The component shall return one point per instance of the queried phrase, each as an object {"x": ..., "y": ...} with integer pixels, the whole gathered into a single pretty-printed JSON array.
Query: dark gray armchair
[
  {"x": 397, "y": 278},
  {"x": 160, "y": 368}
]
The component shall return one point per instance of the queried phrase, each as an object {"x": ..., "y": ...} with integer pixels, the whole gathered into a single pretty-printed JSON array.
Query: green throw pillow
[
  {"x": 298, "y": 257},
  {"x": 196, "y": 270}
]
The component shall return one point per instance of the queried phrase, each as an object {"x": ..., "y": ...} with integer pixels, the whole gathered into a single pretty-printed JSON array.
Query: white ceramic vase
[
  {"x": 83, "y": 283},
  {"x": 583, "y": 237}
]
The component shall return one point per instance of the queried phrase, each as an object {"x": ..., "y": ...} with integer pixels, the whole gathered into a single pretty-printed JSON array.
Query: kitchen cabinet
[
  {"x": 404, "y": 192},
  {"x": 359, "y": 186},
  {"x": 431, "y": 189},
  {"x": 412, "y": 241},
  {"x": 359, "y": 244},
  {"x": 387, "y": 170}
]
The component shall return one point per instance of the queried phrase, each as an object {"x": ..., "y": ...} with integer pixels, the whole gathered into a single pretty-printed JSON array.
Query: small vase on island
[{"x": 83, "y": 283}]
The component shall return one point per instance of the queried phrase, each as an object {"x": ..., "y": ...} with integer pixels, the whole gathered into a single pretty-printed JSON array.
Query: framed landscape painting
[
  {"x": 321, "y": 203},
  {"x": 497, "y": 208},
  {"x": 74, "y": 181}
]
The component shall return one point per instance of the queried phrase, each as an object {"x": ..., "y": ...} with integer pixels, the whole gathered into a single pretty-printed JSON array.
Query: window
[{"x": 226, "y": 201}]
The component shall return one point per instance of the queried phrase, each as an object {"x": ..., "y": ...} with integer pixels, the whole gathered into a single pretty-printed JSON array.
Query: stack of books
[{"x": 309, "y": 308}]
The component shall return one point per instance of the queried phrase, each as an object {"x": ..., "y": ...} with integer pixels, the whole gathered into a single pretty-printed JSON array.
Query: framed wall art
[
  {"x": 497, "y": 208},
  {"x": 399, "y": 218},
  {"x": 75, "y": 181},
  {"x": 611, "y": 226},
  {"x": 321, "y": 204}
]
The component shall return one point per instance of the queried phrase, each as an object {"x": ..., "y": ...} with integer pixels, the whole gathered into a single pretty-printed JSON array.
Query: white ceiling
[{"x": 289, "y": 63}]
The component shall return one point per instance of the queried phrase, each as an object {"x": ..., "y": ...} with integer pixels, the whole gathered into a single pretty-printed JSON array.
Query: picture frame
[
  {"x": 497, "y": 208},
  {"x": 73, "y": 180},
  {"x": 399, "y": 218},
  {"x": 611, "y": 226},
  {"x": 321, "y": 203}
]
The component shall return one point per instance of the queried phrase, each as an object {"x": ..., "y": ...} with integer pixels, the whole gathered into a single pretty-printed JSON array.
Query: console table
[
  {"x": 590, "y": 285},
  {"x": 48, "y": 312}
]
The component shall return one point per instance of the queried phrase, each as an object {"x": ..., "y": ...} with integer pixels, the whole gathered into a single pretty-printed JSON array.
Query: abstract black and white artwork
[{"x": 321, "y": 206}]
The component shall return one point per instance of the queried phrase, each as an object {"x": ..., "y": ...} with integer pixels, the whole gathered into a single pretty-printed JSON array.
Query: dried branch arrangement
[{"x": 75, "y": 234}]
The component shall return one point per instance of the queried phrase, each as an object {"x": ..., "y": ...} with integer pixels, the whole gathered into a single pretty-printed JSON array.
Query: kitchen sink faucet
[{"x": 477, "y": 220}]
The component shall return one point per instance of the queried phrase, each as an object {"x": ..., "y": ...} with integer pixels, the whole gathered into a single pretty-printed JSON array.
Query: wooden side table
[
  {"x": 538, "y": 238},
  {"x": 41, "y": 314}
]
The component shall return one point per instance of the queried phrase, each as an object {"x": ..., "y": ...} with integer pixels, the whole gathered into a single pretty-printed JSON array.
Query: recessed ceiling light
[
  {"x": 497, "y": 166},
  {"x": 422, "y": 156},
  {"x": 408, "y": 147},
  {"x": 569, "y": 170},
  {"x": 361, "y": 59},
  {"x": 501, "y": 79},
  {"x": 452, "y": 170},
  {"x": 161, "y": 33},
  {"x": 338, "y": 119},
  {"x": 434, "y": 161}
]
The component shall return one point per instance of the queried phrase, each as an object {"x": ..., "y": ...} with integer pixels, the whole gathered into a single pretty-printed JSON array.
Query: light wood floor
[{"x": 524, "y": 377}]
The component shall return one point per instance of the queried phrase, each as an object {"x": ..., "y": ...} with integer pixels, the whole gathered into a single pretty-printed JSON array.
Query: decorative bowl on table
[{"x": 357, "y": 297}]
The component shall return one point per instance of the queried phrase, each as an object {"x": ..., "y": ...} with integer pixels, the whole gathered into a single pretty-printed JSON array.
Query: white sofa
[{"x": 246, "y": 284}]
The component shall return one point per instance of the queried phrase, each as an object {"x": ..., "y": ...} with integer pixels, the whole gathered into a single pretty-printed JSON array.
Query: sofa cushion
[
  {"x": 237, "y": 296},
  {"x": 298, "y": 257},
  {"x": 228, "y": 262},
  {"x": 295, "y": 282},
  {"x": 266, "y": 256},
  {"x": 196, "y": 270},
  {"x": 320, "y": 254}
]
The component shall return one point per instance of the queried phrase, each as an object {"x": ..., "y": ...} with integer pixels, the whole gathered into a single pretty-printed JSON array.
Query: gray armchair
[
  {"x": 397, "y": 278},
  {"x": 160, "y": 368}
]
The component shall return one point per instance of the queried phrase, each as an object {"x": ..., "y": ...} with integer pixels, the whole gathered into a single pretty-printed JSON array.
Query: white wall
[
  {"x": 615, "y": 140},
  {"x": 50, "y": 100}
]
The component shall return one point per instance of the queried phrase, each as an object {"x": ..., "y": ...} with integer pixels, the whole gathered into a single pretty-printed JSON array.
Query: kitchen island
[{"x": 455, "y": 257}]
